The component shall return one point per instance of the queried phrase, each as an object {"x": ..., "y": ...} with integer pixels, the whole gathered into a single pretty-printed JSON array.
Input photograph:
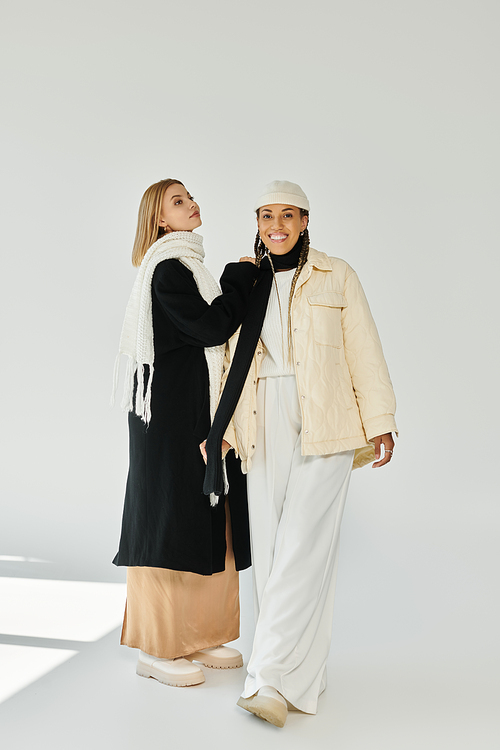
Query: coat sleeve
[
  {"x": 365, "y": 359},
  {"x": 230, "y": 434},
  {"x": 200, "y": 323}
]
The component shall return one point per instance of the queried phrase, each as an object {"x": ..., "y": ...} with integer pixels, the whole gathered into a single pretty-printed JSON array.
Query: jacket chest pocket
[{"x": 326, "y": 311}]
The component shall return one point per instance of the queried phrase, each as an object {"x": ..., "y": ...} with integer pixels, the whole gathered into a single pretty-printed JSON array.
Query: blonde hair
[{"x": 148, "y": 229}]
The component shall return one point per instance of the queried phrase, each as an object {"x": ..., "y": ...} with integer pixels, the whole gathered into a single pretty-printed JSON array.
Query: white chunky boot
[
  {"x": 176, "y": 672},
  {"x": 267, "y": 704}
]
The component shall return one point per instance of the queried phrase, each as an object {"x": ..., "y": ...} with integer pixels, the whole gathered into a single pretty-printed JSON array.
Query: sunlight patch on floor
[
  {"x": 22, "y": 665},
  {"x": 66, "y": 610}
]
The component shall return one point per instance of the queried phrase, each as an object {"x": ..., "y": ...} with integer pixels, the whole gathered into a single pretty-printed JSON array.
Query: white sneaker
[
  {"x": 218, "y": 657},
  {"x": 176, "y": 672},
  {"x": 267, "y": 704}
]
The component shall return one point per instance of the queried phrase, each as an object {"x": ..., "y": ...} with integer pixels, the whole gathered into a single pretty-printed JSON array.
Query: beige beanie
[{"x": 281, "y": 191}]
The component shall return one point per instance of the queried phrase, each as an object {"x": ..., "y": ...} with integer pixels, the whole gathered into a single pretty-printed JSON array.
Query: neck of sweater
[{"x": 288, "y": 260}]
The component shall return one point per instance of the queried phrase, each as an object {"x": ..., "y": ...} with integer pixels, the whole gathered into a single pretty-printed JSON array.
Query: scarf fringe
[
  {"x": 128, "y": 386},
  {"x": 214, "y": 499},
  {"x": 139, "y": 394},
  {"x": 127, "y": 403},
  {"x": 224, "y": 476},
  {"x": 142, "y": 400},
  {"x": 116, "y": 373},
  {"x": 146, "y": 411}
]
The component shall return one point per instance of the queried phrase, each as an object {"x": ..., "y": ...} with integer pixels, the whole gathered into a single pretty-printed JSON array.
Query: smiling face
[
  {"x": 280, "y": 227},
  {"x": 179, "y": 212}
]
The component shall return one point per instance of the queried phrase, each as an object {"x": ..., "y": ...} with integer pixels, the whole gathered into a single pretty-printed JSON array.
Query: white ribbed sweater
[{"x": 275, "y": 329}]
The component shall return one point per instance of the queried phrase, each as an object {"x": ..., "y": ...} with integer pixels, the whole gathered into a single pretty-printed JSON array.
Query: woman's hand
[
  {"x": 225, "y": 448},
  {"x": 388, "y": 443},
  {"x": 247, "y": 259}
]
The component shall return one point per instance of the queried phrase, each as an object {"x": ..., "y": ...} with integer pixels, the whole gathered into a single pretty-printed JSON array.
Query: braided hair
[{"x": 261, "y": 250}]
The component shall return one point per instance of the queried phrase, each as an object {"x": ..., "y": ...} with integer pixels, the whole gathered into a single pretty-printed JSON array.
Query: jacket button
[
  {"x": 295, "y": 330},
  {"x": 307, "y": 432},
  {"x": 253, "y": 446},
  {"x": 259, "y": 353},
  {"x": 254, "y": 411},
  {"x": 302, "y": 396},
  {"x": 298, "y": 363}
]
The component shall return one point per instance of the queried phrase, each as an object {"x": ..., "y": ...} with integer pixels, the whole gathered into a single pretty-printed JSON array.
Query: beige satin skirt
[{"x": 170, "y": 613}]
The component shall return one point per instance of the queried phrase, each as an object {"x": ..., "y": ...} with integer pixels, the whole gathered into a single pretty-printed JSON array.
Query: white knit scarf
[{"x": 136, "y": 340}]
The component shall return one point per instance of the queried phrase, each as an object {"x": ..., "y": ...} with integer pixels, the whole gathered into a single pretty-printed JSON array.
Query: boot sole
[
  {"x": 174, "y": 681},
  {"x": 214, "y": 663},
  {"x": 265, "y": 708}
]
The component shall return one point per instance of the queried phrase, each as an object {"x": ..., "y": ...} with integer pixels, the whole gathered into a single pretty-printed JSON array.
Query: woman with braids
[
  {"x": 314, "y": 399},
  {"x": 182, "y": 551}
]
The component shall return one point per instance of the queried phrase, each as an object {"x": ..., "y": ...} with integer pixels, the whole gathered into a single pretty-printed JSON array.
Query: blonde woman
[
  {"x": 182, "y": 550},
  {"x": 314, "y": 399}
]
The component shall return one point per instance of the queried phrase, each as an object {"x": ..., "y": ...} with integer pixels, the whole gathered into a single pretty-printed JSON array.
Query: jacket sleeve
[
  {"x": 365, "y": 360},
  {"x": 200, "y": 323}
]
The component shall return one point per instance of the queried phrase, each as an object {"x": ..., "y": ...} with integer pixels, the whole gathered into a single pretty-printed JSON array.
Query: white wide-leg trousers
[{"x": 296, "y": 504}]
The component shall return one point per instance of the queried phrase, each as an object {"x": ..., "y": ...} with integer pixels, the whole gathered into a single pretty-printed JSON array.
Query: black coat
[{"x": 167, "y": 520}]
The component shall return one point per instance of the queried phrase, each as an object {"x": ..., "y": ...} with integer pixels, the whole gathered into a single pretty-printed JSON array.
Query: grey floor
[
  {"x": 95, "y": 701},
  {"x": 404, "y": 672}
]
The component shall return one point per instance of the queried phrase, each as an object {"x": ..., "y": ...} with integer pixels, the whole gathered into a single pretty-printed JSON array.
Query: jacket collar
[
  {"x": 318, "y": 260},
  {"x": 315, "y": 259}
]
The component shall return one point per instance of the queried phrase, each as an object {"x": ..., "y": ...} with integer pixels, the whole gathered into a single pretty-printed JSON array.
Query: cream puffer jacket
[{"x": 344, "y": 388}]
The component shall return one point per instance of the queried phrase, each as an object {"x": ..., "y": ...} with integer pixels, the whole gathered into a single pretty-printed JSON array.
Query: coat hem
[{"x": 120, "y": 564}]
